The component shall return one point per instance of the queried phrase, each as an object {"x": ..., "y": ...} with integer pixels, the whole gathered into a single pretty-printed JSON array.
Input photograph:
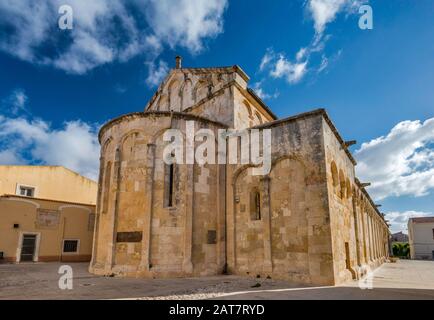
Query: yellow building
[{"x": 46, "y": 214}]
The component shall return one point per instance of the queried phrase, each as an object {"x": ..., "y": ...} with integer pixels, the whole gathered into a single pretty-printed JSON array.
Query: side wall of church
[
  {"x": 290, "y": 238},
  {"x": 351, "y": 236}
]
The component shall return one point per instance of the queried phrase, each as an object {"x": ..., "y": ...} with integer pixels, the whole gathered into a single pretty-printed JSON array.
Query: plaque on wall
[
  {"x": 135, "y": 236},
  {"x": 47, "y": 219}
]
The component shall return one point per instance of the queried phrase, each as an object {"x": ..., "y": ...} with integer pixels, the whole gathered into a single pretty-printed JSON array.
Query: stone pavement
[{"x": 401, "y": 280}]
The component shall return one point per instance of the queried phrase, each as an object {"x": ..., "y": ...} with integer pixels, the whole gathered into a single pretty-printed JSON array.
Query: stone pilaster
[
  {"x": 266, "y": 217},
  {"x": 149, "y": 194}
]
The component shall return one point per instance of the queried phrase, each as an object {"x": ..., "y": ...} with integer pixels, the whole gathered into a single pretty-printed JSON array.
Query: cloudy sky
[{"x": 58, "y": 86}]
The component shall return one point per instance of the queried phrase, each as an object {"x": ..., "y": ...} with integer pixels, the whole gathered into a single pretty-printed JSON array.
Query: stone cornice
[
  {"x": 313, "y": 113},
  {"x": 137, "y": 115}
]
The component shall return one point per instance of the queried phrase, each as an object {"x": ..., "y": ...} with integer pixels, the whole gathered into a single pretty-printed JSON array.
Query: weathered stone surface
[{"x": 315, "y": 223}]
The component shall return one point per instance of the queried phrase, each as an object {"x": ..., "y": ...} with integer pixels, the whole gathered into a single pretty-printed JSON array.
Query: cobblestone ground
[{"x": 401, "y": 280}]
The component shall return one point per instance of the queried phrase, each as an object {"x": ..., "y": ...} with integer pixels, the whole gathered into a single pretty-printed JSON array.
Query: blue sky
[{"x": 58, "y": 86}]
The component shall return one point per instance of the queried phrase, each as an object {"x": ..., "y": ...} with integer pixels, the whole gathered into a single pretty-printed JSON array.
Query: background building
[
  {"x": 399, "y": 237},
  {"x": 421, "y": 238},
  {"x": 46, "y": 214}
]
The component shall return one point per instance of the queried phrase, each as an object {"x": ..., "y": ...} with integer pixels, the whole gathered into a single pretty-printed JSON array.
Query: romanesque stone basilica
[{"x": 309, "y": 220}]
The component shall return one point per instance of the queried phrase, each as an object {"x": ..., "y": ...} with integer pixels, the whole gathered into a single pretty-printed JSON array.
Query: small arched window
[
  {"x": 259, "y": 117},
  {"x": 349, "y": 189},
  {"x": 255, "y": 205}
]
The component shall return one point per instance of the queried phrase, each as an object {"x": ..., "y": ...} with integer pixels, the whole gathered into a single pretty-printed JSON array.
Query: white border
[{"x": 19, "y": 185}]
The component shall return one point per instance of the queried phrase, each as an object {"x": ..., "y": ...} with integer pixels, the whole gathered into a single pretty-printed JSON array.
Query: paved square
[{"x": 401, "y": 280}]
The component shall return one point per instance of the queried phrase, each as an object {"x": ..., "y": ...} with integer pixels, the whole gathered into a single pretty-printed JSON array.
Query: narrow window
[
  {"x": 433, "y": 233},
  {"x": 169, "y": 185},
  {"x": 258, "y": 205},
  {"x": 255, "y": 205}
]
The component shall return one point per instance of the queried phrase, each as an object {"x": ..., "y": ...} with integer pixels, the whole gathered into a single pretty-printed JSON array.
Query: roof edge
[{"x": 144, "y": 114}]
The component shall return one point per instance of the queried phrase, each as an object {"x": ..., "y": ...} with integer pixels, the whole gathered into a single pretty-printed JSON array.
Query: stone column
[
  {"x": 370, "y": 235},
  {"x": 364, "y": 230},
  {"x": 149, "y": 195},
  {"x": 356, "y": 229},
  {"x": 266, "y": 217},
  {"x": 117, "y": 179}
]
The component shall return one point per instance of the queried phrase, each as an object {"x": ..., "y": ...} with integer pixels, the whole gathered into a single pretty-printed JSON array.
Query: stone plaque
[
  {"x": 135, "y": 236},
  {"x": 47, "y": 219},
  {"x": 212, "y": 237}
]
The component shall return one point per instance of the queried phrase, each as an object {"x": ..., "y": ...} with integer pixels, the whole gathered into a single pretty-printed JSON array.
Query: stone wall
[
  {"x": 137, "y": 231},
  {"x": 292, "y": 240},
  {"x": 357, "y": 228}
]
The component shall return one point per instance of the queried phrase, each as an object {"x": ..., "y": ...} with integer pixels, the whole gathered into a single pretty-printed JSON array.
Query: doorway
[{"x": 28, "y": 247}]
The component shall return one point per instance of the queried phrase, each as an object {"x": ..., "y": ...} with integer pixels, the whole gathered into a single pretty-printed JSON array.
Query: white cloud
[
  {"x": 293, "y": 72},
  {"x": 322, "y": 13},
  {"x": 324, "y": 64},
  {"x": 105, "y": 31},
  {"x": 74, "y": 145},
  {"x": 400, "y": 163},
  {"x": 156, "y": 73},
  {"x": 16, "y": 101},
  {"x": 266, "y": 59},
  {"x": 185, "y": 22},
  {"x": 325, "y": 11},
  {"x": 279, "y": 66},
  {"x": 398, "y": 220},
  {"x": 257, "y": 87}
]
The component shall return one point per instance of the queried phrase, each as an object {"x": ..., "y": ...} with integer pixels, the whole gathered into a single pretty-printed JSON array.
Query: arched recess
[
  {"x": 174, "y": 95},
  {"x": 162, "y": 216},
  {"x": 130, "y": 143},
  {"x": 187, "y": 94},
  {"x": 288, "y": 207},
  {"x": 106, "y": 145},
  {"x": 163, "y": 102},
  {"x": 248, "y": 233},
  {"x": 342, "y": 185},
  {"x": 259, "y": 118},
  {"x": 335, "y": 176},
  {"x": 37, "y": 205},
  {"x": 201, "y": 90},
  {"x": 348, "y": 189},
  {"x": 249, "y": 112}
]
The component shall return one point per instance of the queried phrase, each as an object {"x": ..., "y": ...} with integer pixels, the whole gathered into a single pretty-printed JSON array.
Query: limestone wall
[
  {"x": 292, "y": 240},
  {"x": 359, "y": 235},
  {"x": 183, "y": 238}
]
